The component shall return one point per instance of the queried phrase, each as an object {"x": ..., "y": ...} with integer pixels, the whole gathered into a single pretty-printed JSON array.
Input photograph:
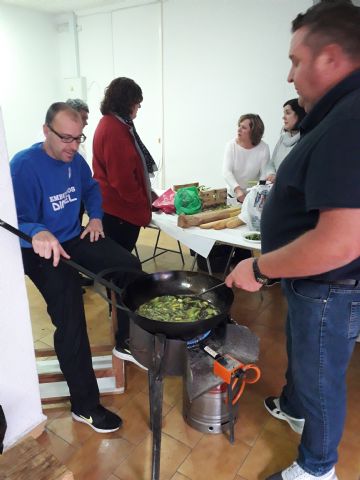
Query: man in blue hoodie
[{"x": 50, "y": 181}]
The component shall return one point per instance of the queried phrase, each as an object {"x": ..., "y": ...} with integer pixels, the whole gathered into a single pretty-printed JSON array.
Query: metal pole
[
  {"x": 231, "y": 413},
  {"x": 156, "y": 400}
]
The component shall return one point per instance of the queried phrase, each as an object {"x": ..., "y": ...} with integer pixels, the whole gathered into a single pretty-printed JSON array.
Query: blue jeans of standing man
[{"x": 322, "y": 326}]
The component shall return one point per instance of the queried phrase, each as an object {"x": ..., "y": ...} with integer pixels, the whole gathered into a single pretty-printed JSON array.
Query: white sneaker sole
[
  {"x": 99, "y": 430},
  {"x": 296, "y": 424},
  {"x": 296, "y": 472},
  {"x": 128, "y": 358}
]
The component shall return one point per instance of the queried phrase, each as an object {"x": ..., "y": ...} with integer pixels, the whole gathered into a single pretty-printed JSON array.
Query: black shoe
[
  {"x": 123, "y": 351},
  {"x": 272, "y": 405},
  {"x": 86, "y": 281},
  {"x": 99, "y": 419}
]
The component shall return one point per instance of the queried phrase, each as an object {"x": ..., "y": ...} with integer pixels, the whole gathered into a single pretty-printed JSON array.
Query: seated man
[{"x": 50, "y": 181}]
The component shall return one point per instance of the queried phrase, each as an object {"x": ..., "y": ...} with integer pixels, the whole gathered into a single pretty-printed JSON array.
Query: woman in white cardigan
[
  {"x": 290, "y": 135},
  {"x": 246, "y": 156}
]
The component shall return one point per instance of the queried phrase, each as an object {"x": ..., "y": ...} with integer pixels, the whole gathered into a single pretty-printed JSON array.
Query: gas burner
[{"x": 195, "y": 341}]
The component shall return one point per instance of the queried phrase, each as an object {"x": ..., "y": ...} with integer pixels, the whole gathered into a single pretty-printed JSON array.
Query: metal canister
[{"x": 209, "y": 413}]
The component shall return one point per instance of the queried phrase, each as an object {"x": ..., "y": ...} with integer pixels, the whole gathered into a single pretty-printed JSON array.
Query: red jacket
[{"x": 119, "y": 170}]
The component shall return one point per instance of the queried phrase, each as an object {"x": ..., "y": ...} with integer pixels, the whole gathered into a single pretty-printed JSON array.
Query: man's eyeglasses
[{"x": 68, "y": 138}]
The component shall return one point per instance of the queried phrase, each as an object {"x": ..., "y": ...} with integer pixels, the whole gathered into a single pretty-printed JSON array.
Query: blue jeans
[{"x": 322, "y": 326}]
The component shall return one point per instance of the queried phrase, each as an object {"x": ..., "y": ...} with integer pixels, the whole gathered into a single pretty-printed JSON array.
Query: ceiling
[{"x": 61, "y": 6}]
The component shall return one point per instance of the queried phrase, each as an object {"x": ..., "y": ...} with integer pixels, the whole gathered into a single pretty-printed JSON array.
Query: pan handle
[{"x": 97, "y": 278}]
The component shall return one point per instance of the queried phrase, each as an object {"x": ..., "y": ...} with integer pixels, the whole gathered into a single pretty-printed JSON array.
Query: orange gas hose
[{"x": 244, "y": 380}]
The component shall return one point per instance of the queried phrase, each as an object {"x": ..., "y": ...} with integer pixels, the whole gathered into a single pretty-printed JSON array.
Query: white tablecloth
[{"x": 201, "y": 240}]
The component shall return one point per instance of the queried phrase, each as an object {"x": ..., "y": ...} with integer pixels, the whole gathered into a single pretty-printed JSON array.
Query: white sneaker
[
  {"x": 295, "y": 472},
  {"x": 125, "y": 354},
  {"x": 272, "y": 405}
]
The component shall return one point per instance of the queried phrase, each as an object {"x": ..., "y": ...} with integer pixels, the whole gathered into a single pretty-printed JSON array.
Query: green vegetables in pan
[{"x": 177, "y": 308}]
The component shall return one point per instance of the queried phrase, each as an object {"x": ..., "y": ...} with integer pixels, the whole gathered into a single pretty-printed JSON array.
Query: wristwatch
[{"x": 259, "y": 277}]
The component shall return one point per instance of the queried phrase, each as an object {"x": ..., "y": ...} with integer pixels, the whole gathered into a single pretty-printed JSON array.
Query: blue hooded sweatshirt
[{"x": 48, "y": 193}]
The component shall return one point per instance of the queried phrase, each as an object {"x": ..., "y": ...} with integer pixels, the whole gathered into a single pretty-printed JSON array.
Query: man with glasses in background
[
  {"x": 82, "y": 107},
  {"x": 50, "y": 181}
]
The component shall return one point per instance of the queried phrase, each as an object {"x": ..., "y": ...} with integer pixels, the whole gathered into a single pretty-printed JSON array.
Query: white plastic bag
[{"x": 253, "y": 205}]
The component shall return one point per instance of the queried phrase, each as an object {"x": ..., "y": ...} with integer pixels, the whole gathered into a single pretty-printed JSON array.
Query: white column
[{"x": 19, "y": 387}]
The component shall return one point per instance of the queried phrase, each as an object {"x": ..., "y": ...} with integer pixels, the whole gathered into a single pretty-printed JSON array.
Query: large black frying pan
[
  {"x": 149, "y": 286},
  {"x": 175, "y": 282}
]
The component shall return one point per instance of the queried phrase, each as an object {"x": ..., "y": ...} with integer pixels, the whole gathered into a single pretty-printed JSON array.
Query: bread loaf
[
  {"x": 185, "y": 221},
  {"x": 234, "y": 222},
  {"x": 217, "y": 225},
  {"x": 221, "y": 224},
  {"x": 217, "y": 222}
]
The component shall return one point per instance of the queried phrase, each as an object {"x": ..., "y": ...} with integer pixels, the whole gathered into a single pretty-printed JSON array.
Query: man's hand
[
  {"x": 95, "y": 229},
  {"x": 46, "y": 245},
  {"x": 243, "y": 277}
]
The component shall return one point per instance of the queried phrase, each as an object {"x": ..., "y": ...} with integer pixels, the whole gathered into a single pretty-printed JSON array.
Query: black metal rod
[
  {"x": 231, "y": 413},
  {"x": 71, "y": 263},
  {"x": 156, "y": 399}
]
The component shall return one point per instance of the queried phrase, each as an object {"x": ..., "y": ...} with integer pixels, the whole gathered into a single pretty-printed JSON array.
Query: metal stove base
[
  {"x": 208, "y": 413},
  {"x": 204, "y": 425},
  {"x": 163, "y": 356}
]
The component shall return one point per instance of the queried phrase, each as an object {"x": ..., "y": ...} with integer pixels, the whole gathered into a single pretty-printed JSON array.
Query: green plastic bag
[{"x": 187, "y": 201}]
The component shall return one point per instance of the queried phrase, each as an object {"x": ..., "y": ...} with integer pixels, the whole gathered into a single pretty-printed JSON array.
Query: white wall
[
  {"x": 108, "y": 49},
  {"x": 222, "y": 58},
  {"x": 30, "y": 76},
  {"x": 19, "y": 389},
  {"x": 201, "y": 64},
  {"x": 213, "y": 59}
]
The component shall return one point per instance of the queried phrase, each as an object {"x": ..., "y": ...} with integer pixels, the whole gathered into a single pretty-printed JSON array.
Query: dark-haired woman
[
  {"x": 246, "y": 156},
  {"x": 122, "y": 165},
  {"x": 293, "y": 114}
]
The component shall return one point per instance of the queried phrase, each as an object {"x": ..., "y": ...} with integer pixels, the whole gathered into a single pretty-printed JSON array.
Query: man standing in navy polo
[{"x": 310, "y": 232}]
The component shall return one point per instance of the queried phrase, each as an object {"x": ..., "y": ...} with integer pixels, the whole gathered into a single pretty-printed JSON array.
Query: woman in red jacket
[{"x": 122, "y": 164}]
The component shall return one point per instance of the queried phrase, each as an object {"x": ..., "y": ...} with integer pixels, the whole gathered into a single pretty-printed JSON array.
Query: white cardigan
[{"x": 242, "y": 165}]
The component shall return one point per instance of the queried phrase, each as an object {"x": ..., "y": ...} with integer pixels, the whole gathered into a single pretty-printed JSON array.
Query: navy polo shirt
[{"x": 321, "y": 172}]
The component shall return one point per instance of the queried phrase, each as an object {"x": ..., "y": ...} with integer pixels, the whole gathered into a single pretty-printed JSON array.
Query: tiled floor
[{"x": 262, "y": 445}]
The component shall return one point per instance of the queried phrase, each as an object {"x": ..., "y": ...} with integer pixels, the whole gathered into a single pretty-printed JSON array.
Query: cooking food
[
  {"x": 177, "y": 308},
  {"x": 255, "y": 237}
]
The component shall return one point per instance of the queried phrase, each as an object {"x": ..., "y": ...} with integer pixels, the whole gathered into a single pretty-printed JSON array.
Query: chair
[{"x": 162, "y": 249}]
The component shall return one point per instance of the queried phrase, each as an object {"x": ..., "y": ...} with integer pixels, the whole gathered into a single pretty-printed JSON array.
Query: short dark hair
[
  {"x": 299, "y": 111},
  {"x": 121, "y": 96},
  {"x": 257, "y": 127},
  {"x": 57, "y": 107},
  {"x": 78, "y": 104},
  {"x": 335, "y": 21}
]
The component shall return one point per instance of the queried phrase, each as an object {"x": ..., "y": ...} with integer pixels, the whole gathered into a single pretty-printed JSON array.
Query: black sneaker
[
  {"x": 123, "y": 351},
  {"x": 272, "y": 405},
  {"x": 100, "y": 419}
]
